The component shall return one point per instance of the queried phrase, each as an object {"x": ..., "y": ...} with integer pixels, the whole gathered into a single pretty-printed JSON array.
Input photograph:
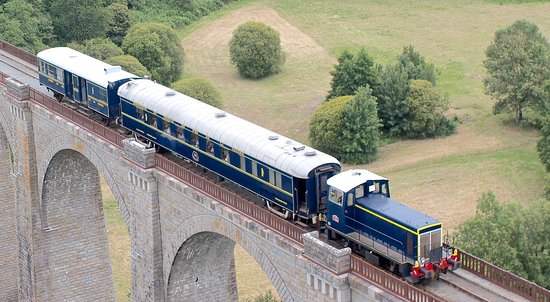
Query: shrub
[
  {"x": 255, "y": 49},
  {"x": 199, "y": 89}
]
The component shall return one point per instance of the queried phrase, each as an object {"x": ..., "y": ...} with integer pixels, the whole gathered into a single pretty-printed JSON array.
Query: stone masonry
[{"x": 54, "y": 243}]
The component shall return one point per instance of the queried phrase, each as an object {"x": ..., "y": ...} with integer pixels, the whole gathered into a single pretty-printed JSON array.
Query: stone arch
[
  {"x": 69, "y": 142},
  {"x": 8, "y": 228},
  {"x": 72, "y": 247},
  {"x": 221, "y": 230}
]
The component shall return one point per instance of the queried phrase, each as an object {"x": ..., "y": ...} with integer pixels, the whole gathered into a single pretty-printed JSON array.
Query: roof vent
[
  {"x": 170, "y": 93},
  {"x": 289, "y": 142},
  {"x": 310, "y": 153},
  {"x": 112, "y": 69},
  {"x": 219, "y": 114},
  {"x": 299, "y": 148},
  {"x": 72, "y": 56},
  {"x": 273, "y": 137},
  {"x": 356, "y": 173}
]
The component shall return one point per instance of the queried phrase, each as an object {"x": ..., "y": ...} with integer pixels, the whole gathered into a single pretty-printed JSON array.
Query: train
[{"x": 293, "y": 180}]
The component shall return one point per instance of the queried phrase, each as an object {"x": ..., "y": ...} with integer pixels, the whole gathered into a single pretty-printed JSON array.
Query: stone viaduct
[
  {"x": 52, "y": 228},
  {"x": 182, "y": 227}
]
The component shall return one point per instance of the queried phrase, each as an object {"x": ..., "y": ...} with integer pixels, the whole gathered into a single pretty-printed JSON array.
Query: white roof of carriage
[
  {"x": 350, "y": 179},
  {"x": 264, "y": 145},
  {"x": 84, "y": 66}
]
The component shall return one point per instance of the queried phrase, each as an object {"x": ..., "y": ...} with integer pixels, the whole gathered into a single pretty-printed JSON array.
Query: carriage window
[
  {"x": 102, "y": 94},
  {"x": 210, "y": 147},
  {"x": 42, "y": 67},
  {"x": 335, "y": 196},
  {"x": 271, "y": 177},
  {"x": 167, "y": 128},
  {"x": 140, "y": 113},
  {"x": 243, "y": 162},
  {"x": 278, "y": 180},
  {"x": 254, "y": 168},
  {"x": 179, "y": 132},
  {"x": 153, "y": 120},
  {"x": 52, "y": 71},
  {"x": 194, "y": 139},
  {"x": 225, "y": 154}
]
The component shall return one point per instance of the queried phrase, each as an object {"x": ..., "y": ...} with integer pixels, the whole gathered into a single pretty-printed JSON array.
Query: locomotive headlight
[{"x": 423, "y": 261}]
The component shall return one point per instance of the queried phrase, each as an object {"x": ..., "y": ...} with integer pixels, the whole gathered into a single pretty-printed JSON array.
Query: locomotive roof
[
  {"x": 266, "y": 146},
  {"x": 84, "y": 66},
  {"x": 350, "y": 179},
  {"x": 396, "y": 212}
]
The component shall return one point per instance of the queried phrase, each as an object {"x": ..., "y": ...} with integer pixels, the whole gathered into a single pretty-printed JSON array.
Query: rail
[
  {"x": 390, "y": 282},
  {"x": 503, "y": 278}
]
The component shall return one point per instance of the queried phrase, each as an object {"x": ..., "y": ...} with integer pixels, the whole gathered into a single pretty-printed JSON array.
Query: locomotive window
[
  {"x": 335, "y": 196},
  {"x": 384, "y": 190},
  {"x": 359, "y": 191},
  {"x": 350, "y": 199}
]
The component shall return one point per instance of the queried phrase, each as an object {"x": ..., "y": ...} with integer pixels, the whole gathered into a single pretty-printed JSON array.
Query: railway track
[{"x": 450, "y": 287}]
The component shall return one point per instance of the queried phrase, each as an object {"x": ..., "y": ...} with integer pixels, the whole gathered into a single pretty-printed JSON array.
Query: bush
[
  {"x": 347, "y": 127},
  {"x": 199, "y": 89},
  {"x": 425, "y": 111},
  {"x": 157, "y": 47},
  {"x": 416, "y": 66},
  {"x": 99, "y": 48},
  {"x": 352, "y": 72},
  {"x": 255, "y": 50}
]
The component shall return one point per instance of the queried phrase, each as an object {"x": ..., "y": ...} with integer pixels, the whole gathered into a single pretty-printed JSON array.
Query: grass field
[{"x": 442, "y": 177}]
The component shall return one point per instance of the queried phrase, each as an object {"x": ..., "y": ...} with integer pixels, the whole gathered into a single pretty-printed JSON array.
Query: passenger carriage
[
  {"x": 289, "y": 176},
  {"x": 389, "y": 233},
  {"x": 83, "y": 79}
]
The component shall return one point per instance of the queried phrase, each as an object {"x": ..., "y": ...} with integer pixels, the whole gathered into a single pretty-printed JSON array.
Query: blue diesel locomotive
[{"x": 295, "y": 181}]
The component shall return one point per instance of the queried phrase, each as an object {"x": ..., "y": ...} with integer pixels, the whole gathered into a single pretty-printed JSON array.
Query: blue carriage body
[
  {"x": 83, "y": 79},
  {"x": 273, "y": 167}
]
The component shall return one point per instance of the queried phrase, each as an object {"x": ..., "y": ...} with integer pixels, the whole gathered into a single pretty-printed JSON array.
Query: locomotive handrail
[
  {"x": 393, "y": 284},
  {"x": 503, "y": 278}
]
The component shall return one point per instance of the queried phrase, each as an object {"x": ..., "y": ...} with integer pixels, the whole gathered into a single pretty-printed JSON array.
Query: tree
[
  {"x": 129, "y": 63},
  {"x": 392, "y": 94},
  {"x": 78, "y": 20},
  {"x": 490, "y": 233},
  {"x": 99, "y": 48},
  {"x": 425, "y": 111},
  {"x": 255, "y": 49},
  {"x": 518, "y": 68},
  {"x": 416, "y": 66},
  {"x": 510, "y": 236},
  {"x": 157, "y": 47},
  {"x": 347, "y": 127},
  {"x": 543, "y": 145},
  {"x": 360, "y": 133},
  {"x": 199, "y": 89},
  {"x": 120, "y": 22},
  {"x": 23, "y": 25},
  {"x": 352, "y": 72}
]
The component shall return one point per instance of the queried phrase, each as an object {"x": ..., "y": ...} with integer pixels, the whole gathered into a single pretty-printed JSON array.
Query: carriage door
[
  {"x": 83, "y": 91},
  {"x": 322, "y": 175},
  {"x": 76, "y": 88}
]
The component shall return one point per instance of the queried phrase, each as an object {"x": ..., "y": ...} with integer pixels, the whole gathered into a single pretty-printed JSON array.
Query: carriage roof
[
  {"x": 264, "y": 145},
  {"x": 84, "y": 66}
]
